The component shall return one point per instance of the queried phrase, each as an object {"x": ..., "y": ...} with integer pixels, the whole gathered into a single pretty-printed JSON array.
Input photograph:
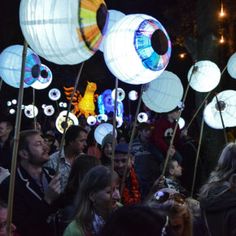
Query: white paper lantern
[
  {"x": 60, "y": 121},
  {"x": 113, "y": 17},
  {"x": 227, "y": 105},
  {"x": 231, "y": 66},
  {"x": 142, "y": 117},
  {"x": 119, "y": 121},
  {"x": 14, "y": 101},
  {"x": 44, "y": 80},
  {"x": 63, "y": 31},
  {"x": 31, "y": 111},
  {"x": 10, "y": 66},
  {"x": 9, "y": 103},
  {"x": 137, "y": 49},
  {"x": 49, "y": 110},
  {"x": 102, "y": 118},
  {"x": 205, "y": 77},
  {"x": 164, "y": 93},
  {"x": 120, "y": 94},
  {"x": 101, "y": 131},
  {"x": 181, "y": 123},
  {"x": 133, "y": 95},
  {"x": 91, "y": 120},
  {"x": 54, "y": 94},
  {"x": 12, "y": 111}
]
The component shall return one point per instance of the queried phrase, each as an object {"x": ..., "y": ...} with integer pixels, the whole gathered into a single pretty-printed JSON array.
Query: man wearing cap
[{"x": 130, "y": 192}]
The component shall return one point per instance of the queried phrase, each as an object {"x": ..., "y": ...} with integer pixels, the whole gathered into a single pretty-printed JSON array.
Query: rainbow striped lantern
[
  {"x": 164, "y": 93},
  {"x": 11, "y": 62},
  {"x": 137, "y": 49},
  {"x": 63, "y": 31}
]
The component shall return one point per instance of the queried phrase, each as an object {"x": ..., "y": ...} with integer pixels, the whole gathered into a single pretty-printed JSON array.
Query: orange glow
[
  {"x": 182, "y": 55},
  {"x": 222, "y": 39},
  {"x": 222, "y": 12}
]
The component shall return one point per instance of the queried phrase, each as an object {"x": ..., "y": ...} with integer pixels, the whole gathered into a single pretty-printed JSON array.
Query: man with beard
[{"x": 35, "y": 186}]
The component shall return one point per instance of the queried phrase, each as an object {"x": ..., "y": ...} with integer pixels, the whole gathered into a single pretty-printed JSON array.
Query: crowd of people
[{"x": 88, "y": 189}]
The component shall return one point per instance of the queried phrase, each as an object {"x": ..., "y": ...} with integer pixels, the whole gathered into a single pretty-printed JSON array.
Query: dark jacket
[
  {"x": 220, "y": 211},
  {"x": 30, "y": 211}
]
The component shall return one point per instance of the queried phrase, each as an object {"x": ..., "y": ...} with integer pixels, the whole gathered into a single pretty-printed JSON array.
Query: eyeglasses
[{"x": 161, "y": 197}]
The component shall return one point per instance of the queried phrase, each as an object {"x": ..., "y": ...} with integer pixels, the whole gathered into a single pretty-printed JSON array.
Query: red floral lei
[{"x": 132, "y": 195}]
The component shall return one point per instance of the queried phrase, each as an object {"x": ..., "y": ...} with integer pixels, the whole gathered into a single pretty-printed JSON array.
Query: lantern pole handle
[
  {"x": 16, "y": 141},
  {"x": 35, "y": 119},
  {"x": 67, "y": 116}
]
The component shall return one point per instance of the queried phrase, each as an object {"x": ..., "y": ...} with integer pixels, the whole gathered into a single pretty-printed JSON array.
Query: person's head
[
  {"x": 76, "y": 138},
  {"x": 174, "y": 169},
  {"x": 172, "y": 204},
  {"x": 107, "y": 145},
  {"x": 134, "y": 221},
  {"x": 99, "y": 193},
  {"x": 120, "y": 159},
  {"x": 144, "y": 131},
  {"x": 32, "y": 148},
  {"x": 5, "y": 129},
  {"x": 3, "y": 219}
]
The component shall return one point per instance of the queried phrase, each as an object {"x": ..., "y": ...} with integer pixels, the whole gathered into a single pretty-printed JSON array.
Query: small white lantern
[
  {"x": 231, "y": 66},
  {"x": 133, "y": 95},
  {"x": 120, "y": 94},
  {"x": 113, "y": 17},
  {"x": 101, "y": 131},
  {"x": 91, "y": 120},
  {"x": 63, "y": 31},
  {"x": 31, "y": 111},
  {"x": 181, "y": 122},
  {"x": 204, "y": 76},
  {"x": 14, "y": 101},
  {"x": 49, "y": 110},
  {"x": 12, "y": 111},
  {"x": 137, "y": 49},
  {"x": 142, "y": 117},
  {"x": 227, "y": 105},
  {"x": 54, "y": 94},
  {"x": 164, "y": 93},
  {"x": 10, "y": 66},
  {"x": 102, "y": 118}
]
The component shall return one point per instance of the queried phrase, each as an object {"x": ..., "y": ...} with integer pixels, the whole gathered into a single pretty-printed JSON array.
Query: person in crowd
[
  {"x": 36, "y": 187},
  {"x": 135, "y": 220},
  {"x": 169, "y": 203},
  {"x": 147, "y": 159},
  {"x": 130, "y": 191},
  {"x": 218, "y": 196},
  {"x": 52, "y": 142},
  {"x": 92, "y": 146},
  {"x": 97, "y": 198},
  {"x": 106, "y": 150},
  {"x": 6, "y": 128},
  {"x": 163, "y": 132},
  {"x": 75, "y": 143}
]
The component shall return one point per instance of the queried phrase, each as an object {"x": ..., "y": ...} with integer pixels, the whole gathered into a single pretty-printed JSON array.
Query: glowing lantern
[
  {"x": 49, "y": 110},
  {"x": 61, "y": 121},
  {"x": 31, "y": 111},
  {"x": 231, "y": 66},
  {"x": 10, "y": 66},
  {"x": 181, "y": 122},
  {"x": 205, "y": 77},
  {"x": 137, "y": 49},
  {"x": 102, "y": 118},
  {"x": 12, "y": 111},
  {"x": 54, "y": 94},
  {"x": 227, "y": 105},
  {"x": 164, "y": 93},
  {"x": 91, "y": 120},
  {"x": 133, "y": 95},
  {"x": 120, "y": 94},
  {"x": 44, "y": 80},
  {"x": 113, "y": 17},
  {"x": 62, "y": 31},
  {"x": 142, "y": 117},
  {"x": 101, "y": 131}
]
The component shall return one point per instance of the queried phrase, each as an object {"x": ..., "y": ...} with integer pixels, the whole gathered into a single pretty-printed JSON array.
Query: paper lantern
[
  {"x": 14, "y": 101},
  {"x": 133, "y": 95},
  {"x": 44, "y": 80},
  {"x": 142, "y": 117},
  {"x": 91, "y": 120},
  {"x": 63, "y": 31},
  {"x": 205, "y": 77},
  {"x": 10, "y": 66},
  {"x": 54, "y": 94},
  {"x": 9, "y": 103},
  {"x": 137, "y": 49},
  {"x": 120, "y": 94},
  {"x": 101, "y": 131},
  {"x": 49, "y": 110},
  {"x": 102, "y": 118},
  {"x": 227, "y": 106},
  {"x": 164, "y": 93},
  {"x": 231, "y": 66},
  {"x": 119, "y": 121},
  {"x": 31, "y": 111},
  {"x": 61, "y": 124},
  {"x": 181, "y": 122},
  {"x": 113, "y": 17},
  {"x": 12, "y": 111}
]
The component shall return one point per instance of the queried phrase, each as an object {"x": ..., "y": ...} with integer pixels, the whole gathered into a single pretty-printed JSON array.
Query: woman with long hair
[
  {"x": 218, "y": 196},
  {"x": 98, "y": 197}
]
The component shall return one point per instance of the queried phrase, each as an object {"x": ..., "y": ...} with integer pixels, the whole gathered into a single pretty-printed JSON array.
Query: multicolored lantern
[
  {"x": 204, "y": 76},
  {"x": 63, "y": 31},
  {"x": 137, "y": 49},
  {"x": 231, "y": 66},
  {"x": 164, "y": 93},
  {"x": 11, "y": 62}
]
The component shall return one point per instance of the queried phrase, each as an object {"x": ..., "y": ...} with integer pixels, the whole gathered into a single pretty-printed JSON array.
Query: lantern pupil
[
  {"x": 159, "y": 42},
  {"x": 44, "y": 73},
  {"x": 35, "y": 71},
  {"x": 101, "y": 17},
  {"x": 220, "y": 106},
  {"x": 64, "y": 124}
]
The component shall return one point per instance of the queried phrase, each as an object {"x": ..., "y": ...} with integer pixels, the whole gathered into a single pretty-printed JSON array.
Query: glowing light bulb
[
  {"x": 222, "y": 39},
  {"x": 222, "y": 12}
]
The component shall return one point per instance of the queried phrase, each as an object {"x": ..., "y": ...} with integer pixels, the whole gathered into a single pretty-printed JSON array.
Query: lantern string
[
  {"x": 113, "y": 140},
  {"x": 197, "y": 155},
  {"x": 67, "y": 116},
  {"x": 16, "y": 141},
  {"x": 131, "y": 141},
  {"x": 176, "y": 125}
]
